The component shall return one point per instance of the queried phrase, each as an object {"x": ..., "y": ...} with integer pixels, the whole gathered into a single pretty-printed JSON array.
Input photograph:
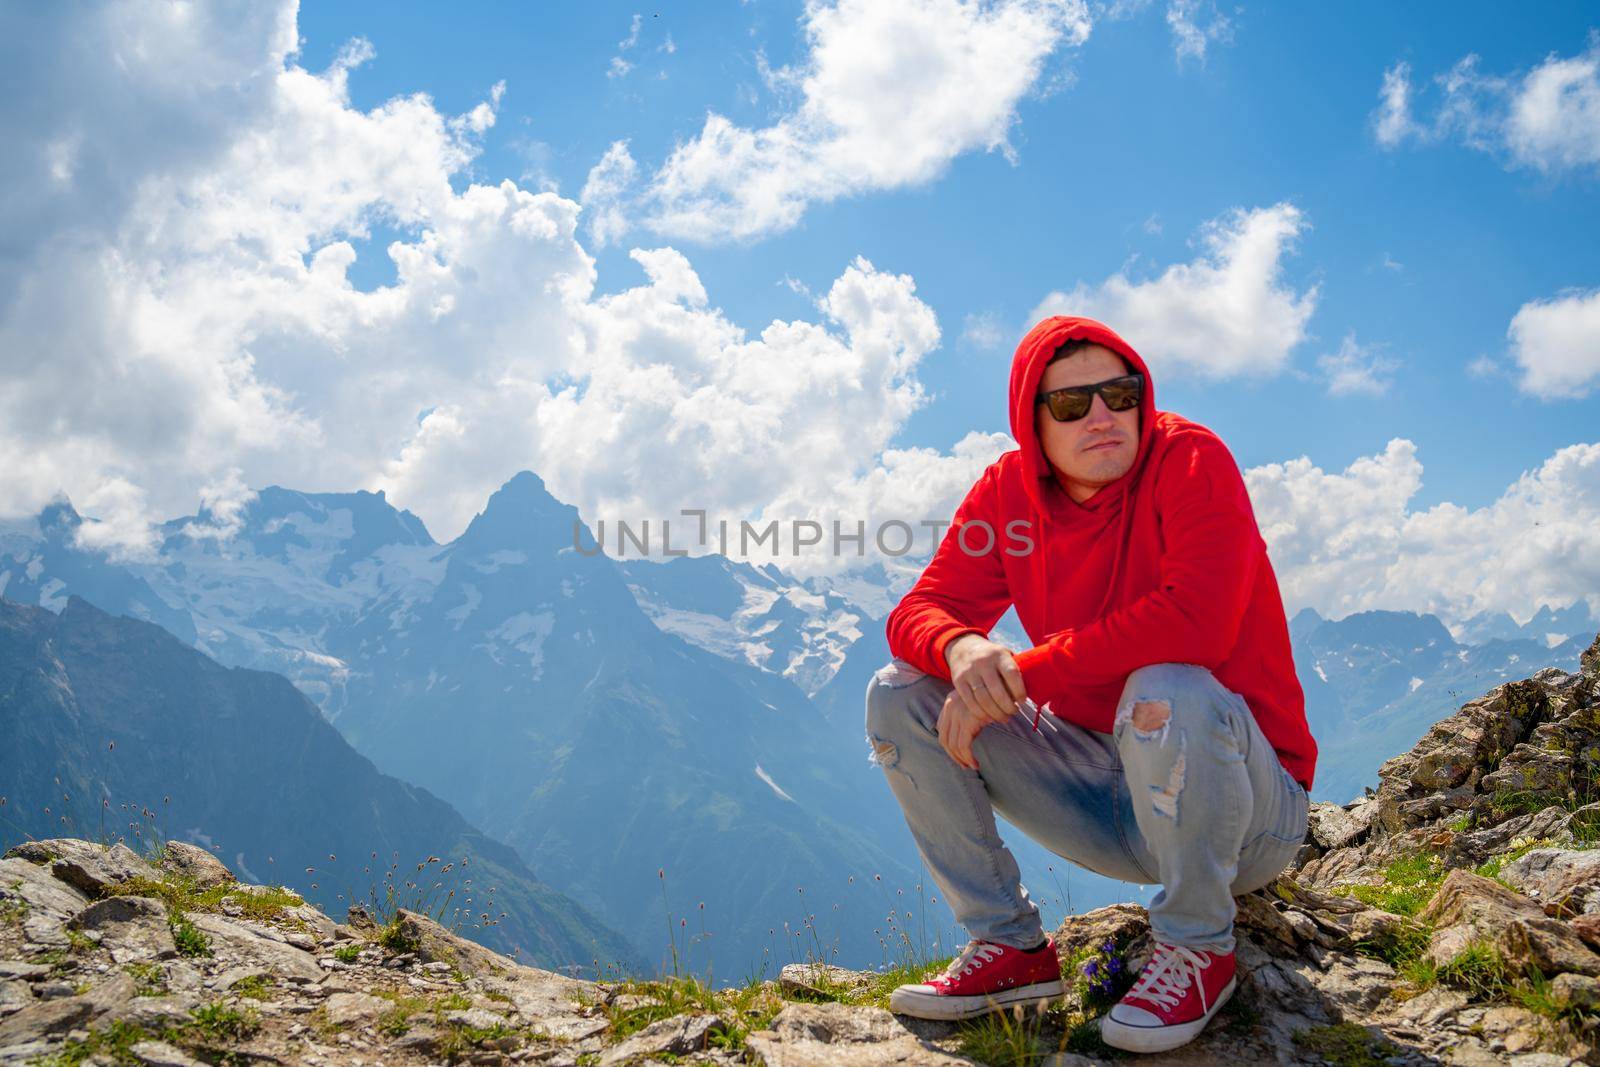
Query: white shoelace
[
  {"x": 1169, "y": 974},
  {"x": 975, "y": 955}
]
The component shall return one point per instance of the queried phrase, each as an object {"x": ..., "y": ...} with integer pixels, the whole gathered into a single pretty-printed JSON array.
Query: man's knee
[
  {"x": 886, "y": 699},
  {"x": 1155, "y": 693}
]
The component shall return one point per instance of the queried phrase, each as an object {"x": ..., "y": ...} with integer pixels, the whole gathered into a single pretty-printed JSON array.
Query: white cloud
[
  {"x": 1228, "y": 312},
  {"x": 1195, "y": 24},
  {"x": 890, "y": 92},
  {"x": 183, "y": 323},
  {"x": 1556, "y": 342},
  {"x": 1357, "y": 368},
  {"x": 1392, "y": 122},
  {"x": 986, "y": 331},
  {"x": 605, "y": 193},
  {"x": 1547, "y": 119},
  {"x": 1349, "y": 541}
]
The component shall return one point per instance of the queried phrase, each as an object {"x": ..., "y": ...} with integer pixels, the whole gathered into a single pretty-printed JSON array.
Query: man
[{"x": 1155, "y": 732}]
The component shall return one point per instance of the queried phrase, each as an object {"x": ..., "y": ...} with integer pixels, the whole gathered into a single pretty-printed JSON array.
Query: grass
[
  {"x": 208, "y": 1026},
  {"x": 1492, "y": 867},
  {"x": 254, "y": 987},
  {"x": 393, "y": 936},
  {"x": 1478, "y": 970},
  {"x": 1401, "y": 946},
  {"x": 260, "y": 903},
  {"x": 221, "y": 1022},
  {"x": 1408, "y": 884},
  {"x": 149, "y": 980},
  {"x": 1004, "y": 1038},
  {"x": 187, "y": 936},
  {"x": 1347, "y": 1045},
  {"x": 348, "y": 952}
]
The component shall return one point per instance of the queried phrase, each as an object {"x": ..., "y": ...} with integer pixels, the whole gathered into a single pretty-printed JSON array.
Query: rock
[
  {"x": 91, "y": 869},
  {"x": 679, "y": 1035},
  {"x": 1588, "y": 928},
  {"x": 131, "y": 928},
  {"x": 195, "y": 864},
  {"x": 434, "y": 942},
  {"x": 1119, "y": 924},
  {"x": 44, "y": 1019},
  {"x": 1566, "y": 881},
  {"x": 1468, "y": 907},
  {"x": 1576, "y": 991},
  {"x": 161, "y": 1054},
  {"x": 822, "y": 1035},
  {"x": 234, "y": 975},
  {"x": 476, "y": 1018},
  {"x": 14, "y": 996},
  {"x": 19, "y": 969},
  {"x": 47, "y": 898},
  {"x": 155, "y": 1014},
  {"x": 49, "y": 1018},
  {"x": 355, "y": 1009},
  {"x": 820, "y": 979},
  {"x": 245, "y": 943}
]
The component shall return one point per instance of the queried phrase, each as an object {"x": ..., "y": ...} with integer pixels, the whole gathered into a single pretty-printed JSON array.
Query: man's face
[{"x": 1099, "y": 448}]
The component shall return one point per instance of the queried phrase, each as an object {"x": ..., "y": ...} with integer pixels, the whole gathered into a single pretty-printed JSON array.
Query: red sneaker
[
  {"x": 1158, "y": 1013},
  {"x": 985, "y": 977}
]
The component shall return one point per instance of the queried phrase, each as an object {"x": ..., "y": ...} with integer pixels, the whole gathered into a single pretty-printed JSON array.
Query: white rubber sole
[
  {"x": 1161, "y": 1038},
  {"x": 908, "y": 1000}
]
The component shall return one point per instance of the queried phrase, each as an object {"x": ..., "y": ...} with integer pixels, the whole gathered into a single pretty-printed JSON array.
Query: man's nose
[{"x": 1099, "y": 414}]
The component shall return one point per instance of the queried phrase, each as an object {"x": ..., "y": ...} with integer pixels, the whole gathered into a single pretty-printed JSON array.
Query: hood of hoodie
[{"x": 1027, "y": 367}]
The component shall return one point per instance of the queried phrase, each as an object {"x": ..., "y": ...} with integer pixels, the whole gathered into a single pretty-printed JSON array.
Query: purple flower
[
  {"x": 1114, "y": 965},
  {"x": 1090, "y": 969},
  {"x": 1105, "y": 987},
  {"x": 1108, "y": 948}
]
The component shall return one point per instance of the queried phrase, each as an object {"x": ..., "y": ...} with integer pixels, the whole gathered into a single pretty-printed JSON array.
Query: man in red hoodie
[{"x": 1155, "y": 732}]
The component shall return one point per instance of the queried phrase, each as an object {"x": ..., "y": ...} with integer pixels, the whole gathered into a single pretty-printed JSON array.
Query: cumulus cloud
[
  {"x": 1350, "y": 541},
  {"x": 888, "y": 94},
  {"x": 1547, "y": 119},
  {"x": 1227, "y": 312},
  {"x": 183, "y": 324},
  {"x": 605, "y": 193},
  {"x": 1556, "y": 343}
]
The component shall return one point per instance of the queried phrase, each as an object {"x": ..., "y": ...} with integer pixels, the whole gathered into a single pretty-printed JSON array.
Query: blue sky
[
  {"x": 1281, "y": 111},
  {"x": 771, "y": 260}
]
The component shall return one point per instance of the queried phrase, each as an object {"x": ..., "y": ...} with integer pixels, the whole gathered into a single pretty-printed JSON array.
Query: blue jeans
[{"x": 1199, "y": 804}]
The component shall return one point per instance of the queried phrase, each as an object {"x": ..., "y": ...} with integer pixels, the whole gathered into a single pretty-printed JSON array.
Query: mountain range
[
  {"x": 653, "y": 736},
  {"x": 116, "y": 729}
]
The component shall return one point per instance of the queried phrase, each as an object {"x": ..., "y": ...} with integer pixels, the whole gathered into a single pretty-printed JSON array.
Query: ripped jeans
[{"x": 1198, "y": 802}]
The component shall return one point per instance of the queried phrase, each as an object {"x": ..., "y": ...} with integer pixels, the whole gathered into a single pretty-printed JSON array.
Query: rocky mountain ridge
[{"x": 1451, "y": 916}]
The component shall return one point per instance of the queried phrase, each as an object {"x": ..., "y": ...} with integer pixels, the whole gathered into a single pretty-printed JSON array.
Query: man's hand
[
  {"x": 988, "y": 689},
  {"x": 986, "y": 676}
]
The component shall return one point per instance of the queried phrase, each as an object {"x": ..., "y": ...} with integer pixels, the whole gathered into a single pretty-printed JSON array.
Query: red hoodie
[{"x": 1163, "y": 565}]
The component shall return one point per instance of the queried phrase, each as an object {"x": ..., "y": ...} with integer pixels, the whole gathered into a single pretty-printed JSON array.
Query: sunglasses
[{"x": 1073, "y": 403}]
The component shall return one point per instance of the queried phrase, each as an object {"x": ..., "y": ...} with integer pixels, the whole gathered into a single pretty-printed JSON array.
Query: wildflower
[
  {"x": 1114, "y": 965},
  {"x": 1109, "y": 947},
  {"x": 1090, "y": 969}
]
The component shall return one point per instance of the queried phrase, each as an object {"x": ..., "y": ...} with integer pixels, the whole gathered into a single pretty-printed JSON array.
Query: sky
[{"x": 772, "y": 259}]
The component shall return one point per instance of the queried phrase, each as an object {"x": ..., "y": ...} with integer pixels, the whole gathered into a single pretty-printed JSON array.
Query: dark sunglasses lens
[
  {"x": 1122, "y": 397},
  {"x": 1069, "y": 406}
]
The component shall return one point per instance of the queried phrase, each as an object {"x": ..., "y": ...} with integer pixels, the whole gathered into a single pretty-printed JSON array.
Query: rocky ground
[{"x": 1452, "y": 916}]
